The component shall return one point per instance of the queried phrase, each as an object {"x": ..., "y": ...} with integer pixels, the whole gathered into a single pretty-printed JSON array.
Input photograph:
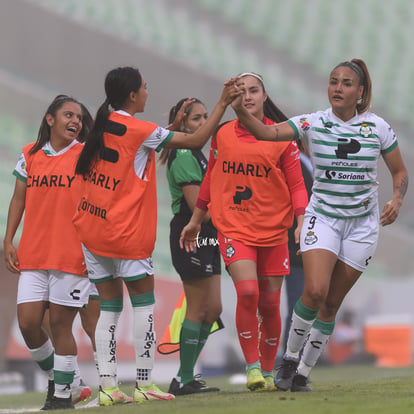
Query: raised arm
[
  {"x": 399, "y": 174},
  {"x": 180, "y": 116},
  {"x": 200, "y": 137},
  {"x": 278, "y": 132}
]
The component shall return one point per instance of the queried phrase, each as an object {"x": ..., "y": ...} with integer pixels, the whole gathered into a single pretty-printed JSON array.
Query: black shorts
[{"x": 205, "y": 261}]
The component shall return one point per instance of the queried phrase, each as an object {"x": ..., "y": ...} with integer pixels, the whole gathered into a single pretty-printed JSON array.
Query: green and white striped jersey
[{"x": 345, "y": 159}]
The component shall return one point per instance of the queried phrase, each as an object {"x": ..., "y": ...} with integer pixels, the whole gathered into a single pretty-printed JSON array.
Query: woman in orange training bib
[
  {"x": 49, "y": 257},
  {"x": 116, "y": 220},
  {"x": 252, "y": 191}
]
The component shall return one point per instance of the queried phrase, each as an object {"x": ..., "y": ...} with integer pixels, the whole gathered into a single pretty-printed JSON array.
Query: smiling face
[
  {"x": 196, "y": 117},
  {"x": 254, "y": 96},
  {"x": 65, "y": 125},
  {"x": 344, "y": 90}
]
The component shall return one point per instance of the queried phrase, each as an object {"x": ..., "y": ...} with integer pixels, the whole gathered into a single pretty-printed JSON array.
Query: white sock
[
  {"x": 64, "y": 370},
  {"x": 95, "y": 358},
  {"x": 77, "y": 377},
  {"x": 144, "y": 343},
  {"x": 312, "y": 351},
  {"x": 105, "y": 339},
  {"x": 43, "y": 356},
  {"x": 298, "y": 333}
]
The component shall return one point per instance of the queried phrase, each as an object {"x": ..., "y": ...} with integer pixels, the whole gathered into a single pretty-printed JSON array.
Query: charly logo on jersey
[
  {"x": 50, "y": 180},
  {"x": 75, "y": 294},
  {"x": 316, "y": 344},
  {"x": 230, "y": 251},
  {"x": 304, "y": 123},
  {"x": 365, "y": 130},
  {"x": 272, "y": 341},
  {"x": 328, "y": 124},
  {"x": 310, "y": 238}
]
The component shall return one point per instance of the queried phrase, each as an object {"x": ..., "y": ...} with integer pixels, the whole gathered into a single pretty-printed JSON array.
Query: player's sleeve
[
  {"x": 388, "y": 138},
  {"x": 290, "y": 165},
  {"x": 20, "y": 171},
  {"x": 300, "y": 124},
  {"x": 185, "y": 169},
  {"x": 204, "y": 193},
  {"x": 158, "y": 138}
]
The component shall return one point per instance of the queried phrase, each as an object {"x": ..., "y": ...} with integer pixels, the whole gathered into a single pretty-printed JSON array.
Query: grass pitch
[{"x": 352, "y": 389}]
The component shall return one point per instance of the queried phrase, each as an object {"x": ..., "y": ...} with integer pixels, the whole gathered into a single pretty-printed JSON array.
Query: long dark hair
[
  {"x": 361, "y": 69},
  {"x": 87, "y": 123},
  {"x": 43, "y": 135},
  {"x": 119, "y": 83},
  {"x": 171, "y": 117}
]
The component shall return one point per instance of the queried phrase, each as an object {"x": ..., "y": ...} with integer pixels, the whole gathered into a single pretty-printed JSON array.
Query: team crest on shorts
[
  {"x": 230, "y": 251},
  {"x": 310, "y": 238}
]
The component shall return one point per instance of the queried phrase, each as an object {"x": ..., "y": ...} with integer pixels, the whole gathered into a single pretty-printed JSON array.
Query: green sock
[
  {"x": 267, "y": 373},
  {"x": 302, "y": 320},
  {"x": 189, "y": 340},
  {"x": 204, "y": 334}
]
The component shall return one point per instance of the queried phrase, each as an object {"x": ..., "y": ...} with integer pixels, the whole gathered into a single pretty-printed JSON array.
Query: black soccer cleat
[
  {"x": 300, "y": 384},
  {"x": 50, "y": 393},
  {"x": 192, "y": 387},
  {"x": 284, "y": 376},
  {"x": 174, "y": 387},
  {"x": 57, "y": 403}
]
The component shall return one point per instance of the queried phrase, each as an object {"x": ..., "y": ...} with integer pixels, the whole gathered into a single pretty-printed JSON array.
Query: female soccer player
[
  {"x": 252, "y": 191},
  {"x": 116, "y": 220},
  {"x": 49, "y": 257},
  {"x": 199, "y": 270},
  {"x": 341, "y": 227}
]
